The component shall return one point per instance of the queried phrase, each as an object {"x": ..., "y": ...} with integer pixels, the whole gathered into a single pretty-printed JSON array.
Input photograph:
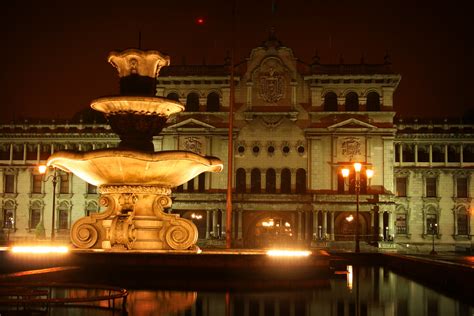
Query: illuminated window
[
  {"x": 8, "y": 217},
  {"x": 431, "y": 224},
  {"x": 401, "y": 223},
  {"x": 45, "y": 152}
]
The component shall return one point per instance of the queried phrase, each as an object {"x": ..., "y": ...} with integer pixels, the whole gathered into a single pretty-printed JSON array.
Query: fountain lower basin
[{"x": 135, "y": 188}]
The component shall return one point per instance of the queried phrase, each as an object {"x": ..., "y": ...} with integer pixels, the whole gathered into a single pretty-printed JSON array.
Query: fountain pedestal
[{"x": 134, "y": 219}]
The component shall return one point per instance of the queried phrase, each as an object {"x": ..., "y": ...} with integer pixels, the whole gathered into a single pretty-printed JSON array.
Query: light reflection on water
[{"x": 368, "y": 290}]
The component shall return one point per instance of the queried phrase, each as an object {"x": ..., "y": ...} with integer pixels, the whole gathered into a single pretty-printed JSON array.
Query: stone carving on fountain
[{"x": 134, "y": 181}]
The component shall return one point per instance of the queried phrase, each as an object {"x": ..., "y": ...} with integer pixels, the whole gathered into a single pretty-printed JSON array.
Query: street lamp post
[
  {"x": 54, "y": 179},
  {"x": 434, "y": 228},
  {"x": 345, "y": 173}
]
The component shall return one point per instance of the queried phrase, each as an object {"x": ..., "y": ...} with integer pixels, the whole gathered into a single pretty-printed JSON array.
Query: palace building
[{"x": 296, "y": 126}]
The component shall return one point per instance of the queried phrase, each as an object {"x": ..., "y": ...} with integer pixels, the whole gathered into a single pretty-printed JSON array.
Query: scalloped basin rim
[
  {"x": 127, "y": 167},
  {"x": 136, "y": 104}
]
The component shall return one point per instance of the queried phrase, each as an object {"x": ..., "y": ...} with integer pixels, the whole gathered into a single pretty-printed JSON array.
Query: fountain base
[{"x": 134, "y": 220}]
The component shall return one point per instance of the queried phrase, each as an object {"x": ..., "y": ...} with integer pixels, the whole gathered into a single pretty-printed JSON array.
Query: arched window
[
  {"x": 255, "y": 181},
  {"x": 173, "y": 96},
  {"x": 270, "y": 181},
  {"x": 92, "y": 207},
  {"x": 300, "y": 181},
  {"x": 437, "y": 153},
  {"x": 8, "y": 213},
  {"x": 212, "y": 104},
  {"x": 454, "y": 153},
  {"x": 340, "y": 183},
  {"x": 373, "y": 101},
  {"x": 285, "y": 181},
  {"x": 192, "y": 102},
  {"x": 330, "y": 102},
  {"x": 240, "y": 180},
  {"x": 35, "y": 214},
  {"x": 401, "y": 221},
  {"x": 63, "y": 216},
  {"x": 352, "y": 102}
]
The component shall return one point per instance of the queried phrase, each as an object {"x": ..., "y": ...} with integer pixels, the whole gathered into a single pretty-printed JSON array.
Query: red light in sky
[{"x": 200, "y": 21}]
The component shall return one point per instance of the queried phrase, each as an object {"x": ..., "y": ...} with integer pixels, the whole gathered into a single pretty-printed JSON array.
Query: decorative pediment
[
  {"x": 191, "y": 123},
  {"x": 352, "y": 123}
]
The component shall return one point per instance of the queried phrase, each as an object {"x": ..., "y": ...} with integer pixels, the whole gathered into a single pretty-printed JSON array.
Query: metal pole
[
  {"x": 357, "y": 189},
  {"x": 230, "y": 149},
  {"x": 55, "y": 180}
]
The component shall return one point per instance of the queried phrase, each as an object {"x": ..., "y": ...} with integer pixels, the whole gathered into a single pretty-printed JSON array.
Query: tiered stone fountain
[{"x": 134, "y": 181}]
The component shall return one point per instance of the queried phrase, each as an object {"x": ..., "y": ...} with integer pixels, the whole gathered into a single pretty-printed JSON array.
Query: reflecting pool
[{"x": 353, "y": 291}]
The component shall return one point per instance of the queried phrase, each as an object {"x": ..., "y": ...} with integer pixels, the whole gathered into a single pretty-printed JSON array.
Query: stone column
[
  {"x": 391, "y": 226},
  {"x": 224, "y": 219},
  {"x": 38, "y": 152},
  {"x": 456, "y": 223},
  {"x": 239, "y": 223},
  {"x": 278, "y": 180},
  {"x": 381, "y": 227},
  {"x": 208, "y": 223},
  {"x": 445, "y": 154},
  {"x": 11, "y": 154},
  {"x": 300, "y": 225},
  {"x": 293, "y": 180},
  {"x": 416, "y": 154},
  {"x": 431, "y": 154},
  {"x": 215, "y": 229},
  {"x": 400, "y": 153},
  {"x": 248, "y": 179},
  {"x": 25, "y": 149},
  {"x": 332, "y": 225},
  {"x": 263, "y": 181},
  {"x": 315, "y": 226},
  {"x": 307, "y": 235},
  {"x": 325, "y": 223}
]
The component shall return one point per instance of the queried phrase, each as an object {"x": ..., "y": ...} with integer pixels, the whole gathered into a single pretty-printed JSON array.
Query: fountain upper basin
[{"x": 126, "y": 167}]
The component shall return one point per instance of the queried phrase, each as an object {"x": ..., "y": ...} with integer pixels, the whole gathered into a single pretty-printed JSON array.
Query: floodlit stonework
[{"x": 296, "y": 126}]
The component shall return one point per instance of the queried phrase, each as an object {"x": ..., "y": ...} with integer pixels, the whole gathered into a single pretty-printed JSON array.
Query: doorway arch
[
  {"x": 344, "y": 226},
  {"x": 272, "y": 229}
]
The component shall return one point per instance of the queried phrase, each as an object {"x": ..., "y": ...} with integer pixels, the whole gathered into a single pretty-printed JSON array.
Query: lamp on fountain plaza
[
  {"x": 54, "y": 176},
  {"x": 356, "y": 181}
]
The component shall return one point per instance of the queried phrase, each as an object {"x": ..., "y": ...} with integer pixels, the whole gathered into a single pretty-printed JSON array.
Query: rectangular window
[
  {"x": 37, "y": 183},
  {"x": 401, "y": 186},
  {"x": 431, "y": 224},
  {"x": 8, "y": 219},
  {"x": 91, "y": 189},
  {"x": 401, "y": 223},
  {"x": 35, "y": 217},
  {"x": 64, "y": 183},
  {"x": 9, "y": 181},
  {"x": 431, "y": 187},
  {"x": 461, "y": 187}
]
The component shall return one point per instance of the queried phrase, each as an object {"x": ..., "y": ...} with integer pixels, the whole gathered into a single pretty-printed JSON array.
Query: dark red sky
[{"x": 54, "y": 52}]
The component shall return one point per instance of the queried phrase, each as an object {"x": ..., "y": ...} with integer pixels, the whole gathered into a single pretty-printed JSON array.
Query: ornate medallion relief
[
  {"x": 271, "y": 81},
  {"x": 351, "y": 148}
]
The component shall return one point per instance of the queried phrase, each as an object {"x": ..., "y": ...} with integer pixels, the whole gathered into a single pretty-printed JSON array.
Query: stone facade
[{"x": 296, "y": 126}]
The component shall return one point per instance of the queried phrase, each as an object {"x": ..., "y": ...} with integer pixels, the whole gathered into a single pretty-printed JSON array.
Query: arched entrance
[
  {"x": 345, "y": 229},
  {"x": 270, "y": 231}
]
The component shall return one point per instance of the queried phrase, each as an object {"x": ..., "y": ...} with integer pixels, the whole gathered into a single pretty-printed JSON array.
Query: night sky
[{"x": 54, "y": 52}]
